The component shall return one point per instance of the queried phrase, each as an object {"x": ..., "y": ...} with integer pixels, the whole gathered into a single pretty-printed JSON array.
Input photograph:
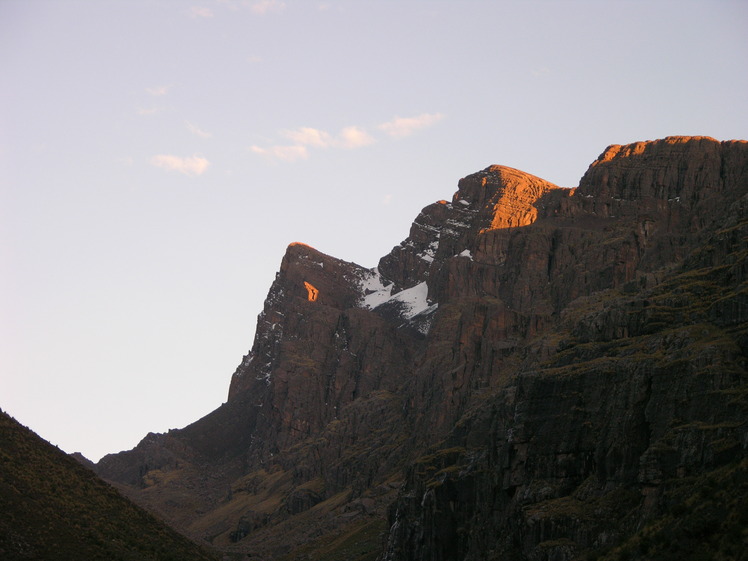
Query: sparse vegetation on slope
[{"x": 53, "y": 508}]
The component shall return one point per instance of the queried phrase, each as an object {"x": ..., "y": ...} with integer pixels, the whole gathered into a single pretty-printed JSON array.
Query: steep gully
[{"x": 534, "y": 373}]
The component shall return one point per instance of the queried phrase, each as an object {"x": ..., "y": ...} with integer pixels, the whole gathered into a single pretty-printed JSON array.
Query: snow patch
[
  {"x": 422, "y": 321},
  {"x": 459, "y": 224},
  {"x": 466, "y": 253},
  {"x": 414, "y": 300},
  {"x": 374, "y": 290},
  {"x": 429, "y": 253},
  {"x": 412, "y": 303}
]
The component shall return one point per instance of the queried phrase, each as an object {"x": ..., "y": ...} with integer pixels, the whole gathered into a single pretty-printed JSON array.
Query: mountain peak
[{"x": 504, "y": 197}]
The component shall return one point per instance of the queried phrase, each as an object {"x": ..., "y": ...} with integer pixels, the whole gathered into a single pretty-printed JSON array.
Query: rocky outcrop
[
  {"x": 497, "y": 198},
  {"x": 682, "y": 169},
  {"x": 548, "y": 369},
  {"x": 317, "y": 349}
]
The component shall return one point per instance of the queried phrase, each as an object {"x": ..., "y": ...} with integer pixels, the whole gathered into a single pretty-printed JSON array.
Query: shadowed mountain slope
[{"x": 54, "y": 508}]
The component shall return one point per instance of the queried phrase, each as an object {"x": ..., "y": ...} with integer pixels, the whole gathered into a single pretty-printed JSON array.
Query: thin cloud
[
  {"x": 349, "y": 137},
  {"x": 262, "y": 7},
  {"x": 198, "y": 131},
  {"x": 304, "y": 138},
  {"x": 405, "y": 126},
  {"x": 192, "y": 165},
  {"x": 308, "y": 136},
  {"x": 200, "y": 12},
  {"x": 354, "y": 137},
  {"x": 285, "y": 153},
  {"x": 254, "y": 59},
  {"x": 150, "y": 111},
  {"x": 259, "y": 7},
  {"x": 158, "y": 90}
]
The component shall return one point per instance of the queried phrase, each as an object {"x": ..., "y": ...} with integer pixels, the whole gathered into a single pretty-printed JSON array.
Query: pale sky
[{"x": 157, "y": 157}]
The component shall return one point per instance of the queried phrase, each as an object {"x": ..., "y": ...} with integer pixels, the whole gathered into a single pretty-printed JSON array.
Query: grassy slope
[{"x": 54, "y": 508}]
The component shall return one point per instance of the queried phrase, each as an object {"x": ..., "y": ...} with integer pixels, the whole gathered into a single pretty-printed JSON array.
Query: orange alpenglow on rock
[{"x": 312, "y": 292}]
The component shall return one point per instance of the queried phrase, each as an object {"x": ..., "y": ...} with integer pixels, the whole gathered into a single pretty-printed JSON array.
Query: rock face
[{"x": 534, "y": 373}]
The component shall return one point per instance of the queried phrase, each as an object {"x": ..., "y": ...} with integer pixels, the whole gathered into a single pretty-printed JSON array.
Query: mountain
[
  {"x": 55, "y": 508},
  {"x": 534, "y": 373}
]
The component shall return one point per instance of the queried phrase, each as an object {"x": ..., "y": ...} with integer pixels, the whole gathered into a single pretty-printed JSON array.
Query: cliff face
[
  {"x": 550, "y": 371},
  {"x": 622, "y": 387}
]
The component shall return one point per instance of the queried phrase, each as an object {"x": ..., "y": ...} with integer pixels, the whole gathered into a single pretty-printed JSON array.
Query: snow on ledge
[
  {"x": 374, "y": 291},
  {"x": 466, "y": 253},
  {"x": 413, "y": 299},
  {"x": 412, "y": 303}
]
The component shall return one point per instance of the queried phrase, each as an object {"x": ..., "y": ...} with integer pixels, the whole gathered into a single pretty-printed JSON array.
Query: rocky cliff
[{"x": 534, "y": 373}]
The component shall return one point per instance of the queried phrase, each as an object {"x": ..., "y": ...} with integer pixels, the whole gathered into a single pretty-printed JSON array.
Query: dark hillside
[{"x": 54, "y": 508}]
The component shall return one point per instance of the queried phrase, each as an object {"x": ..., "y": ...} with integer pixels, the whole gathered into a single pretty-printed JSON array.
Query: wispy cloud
[
  {"x": 308, "y": 136},
  {"x": 405, "y": 126},
  {"x": 158, "y": 90},
  {"x": 262, "y": 7},
  {"x": 285, "y": 153},
  {"x": 354, "y": 137},
  {"x": 150, "y": 111},
  {"x": 198, "y": 131},
  {"x": 192, "y": 165},
  {"x": 259, "y": 7},
  {"x": 349, "y": 137},
  {"x": 254, "y": 59},
  {"x": 200, "y": 12},
  {"x": 303, "y": 139}
]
